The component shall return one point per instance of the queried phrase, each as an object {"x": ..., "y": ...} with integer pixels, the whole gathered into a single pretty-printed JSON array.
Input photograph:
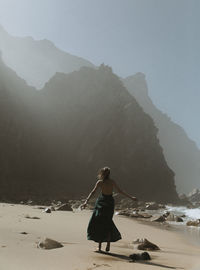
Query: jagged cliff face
[
  {"x": 181, "y": 153},
  {"x": 54, "y": 141},
  {"x": 36, "y": 61}
]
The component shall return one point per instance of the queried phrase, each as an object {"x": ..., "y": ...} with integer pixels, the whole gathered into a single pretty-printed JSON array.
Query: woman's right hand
[
  {"x": 82, "y": 206},
  {"x": 134, "y": 199}
]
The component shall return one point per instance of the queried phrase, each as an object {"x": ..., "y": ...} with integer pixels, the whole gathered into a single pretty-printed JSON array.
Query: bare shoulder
[
  {"x": 115, "y": 185},
  {"x": 113, "y": 182},
  {"x": 99, "y": 183}
]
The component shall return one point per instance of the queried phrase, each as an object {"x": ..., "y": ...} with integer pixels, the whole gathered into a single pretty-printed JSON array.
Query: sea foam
[{"x": 190, "y": 213}]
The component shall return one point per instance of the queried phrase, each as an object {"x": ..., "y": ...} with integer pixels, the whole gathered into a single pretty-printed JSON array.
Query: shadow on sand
[{"x": 126, "y": 258}]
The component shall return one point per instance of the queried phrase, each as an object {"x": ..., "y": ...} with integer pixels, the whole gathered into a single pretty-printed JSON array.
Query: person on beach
[{"x": 101, "y": 227}]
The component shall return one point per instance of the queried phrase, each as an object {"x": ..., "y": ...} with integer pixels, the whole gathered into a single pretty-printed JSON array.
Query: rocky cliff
[
  {"x": 54, "y": 141},
  {"x": 181, "y": 153}
]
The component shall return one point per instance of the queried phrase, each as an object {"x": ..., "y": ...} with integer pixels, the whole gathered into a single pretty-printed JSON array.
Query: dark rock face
[
  {"x": 181, "y": 153},
  {"x": 37, "y": 61},
  {"x": 53, "y": 141}
]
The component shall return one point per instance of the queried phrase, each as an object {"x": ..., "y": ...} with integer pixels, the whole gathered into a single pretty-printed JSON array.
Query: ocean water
[
  {"x": 192, "y": 233},
  {"x": 191, "y": 214}
]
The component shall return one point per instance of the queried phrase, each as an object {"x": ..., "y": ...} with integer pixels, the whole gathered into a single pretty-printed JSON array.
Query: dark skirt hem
[
  {"x": 103, "y": 241},
  {"x": 101, "y": 226}
]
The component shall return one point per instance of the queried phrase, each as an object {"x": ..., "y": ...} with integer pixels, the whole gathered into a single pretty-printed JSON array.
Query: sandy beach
[{"x": 19, "y": 251}]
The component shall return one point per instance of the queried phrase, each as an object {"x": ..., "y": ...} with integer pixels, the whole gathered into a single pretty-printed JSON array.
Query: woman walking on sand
[{"x": 101, "y": 227}]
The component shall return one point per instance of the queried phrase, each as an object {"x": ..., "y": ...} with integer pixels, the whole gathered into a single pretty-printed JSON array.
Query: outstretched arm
[
  {"x": 123, "y": 192},
  {"x": 97, "y": 185}
]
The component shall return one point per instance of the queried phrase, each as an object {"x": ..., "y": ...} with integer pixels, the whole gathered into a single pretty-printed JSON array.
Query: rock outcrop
[{"x": 194, "y": 196}]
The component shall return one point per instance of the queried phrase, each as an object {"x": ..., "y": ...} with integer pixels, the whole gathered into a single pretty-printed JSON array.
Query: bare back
[{"x": 106, "y": 186}]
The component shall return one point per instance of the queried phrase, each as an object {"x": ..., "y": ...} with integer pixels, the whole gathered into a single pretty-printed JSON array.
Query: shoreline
[
  {"x": 190, "y": 233},
  {"x": 20, "y": 252}
]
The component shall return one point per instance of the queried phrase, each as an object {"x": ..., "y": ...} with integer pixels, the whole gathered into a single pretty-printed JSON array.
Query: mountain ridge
[{"x": 36, "y": 61}]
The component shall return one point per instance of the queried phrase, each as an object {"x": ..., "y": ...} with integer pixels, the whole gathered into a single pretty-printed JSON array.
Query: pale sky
[{"x": 160, "y": 38}]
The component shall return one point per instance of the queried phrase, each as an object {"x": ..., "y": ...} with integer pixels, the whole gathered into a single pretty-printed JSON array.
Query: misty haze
[{"x": 99, "y": 136}]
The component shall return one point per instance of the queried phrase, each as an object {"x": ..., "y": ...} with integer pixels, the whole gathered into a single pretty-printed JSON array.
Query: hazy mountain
[
  {"x": 18, "y": 135},
  {"x": 181, "y": 153},
  {"x": 53, "y": 141},
  {"x": 36, "y": 61}
]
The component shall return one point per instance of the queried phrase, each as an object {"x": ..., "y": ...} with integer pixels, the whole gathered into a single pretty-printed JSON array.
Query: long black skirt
[{"x": 101, "y": 227}]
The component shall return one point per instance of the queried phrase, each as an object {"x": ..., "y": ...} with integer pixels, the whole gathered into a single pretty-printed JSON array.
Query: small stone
[
  {"x": 147, "y": 245},
  {"x": 64, "y": 207},
  {"x": 170, "y": 217},
  {"x": 145, "y": 215},
  {"x": 140, "y": 256},
  {"x": 158, "y": 219},
  {"x": 29, "y": 202},
  {"x": 152, "y": 206},
  {"x": 193, "y": 223},
  {"x": 178, "y": 219},
  {"x": 47, "y": 210},
  {"x": 134, "y": 215},
  {"x": 126, "y": 213},
  {"x": 49, "y": 244},
  {"x": 138, "y": 241},
  {"x": 166, "y": 214}
]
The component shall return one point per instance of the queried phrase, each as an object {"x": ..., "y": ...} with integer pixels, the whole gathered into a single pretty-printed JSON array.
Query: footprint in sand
[{"x": 98, "y": 265}]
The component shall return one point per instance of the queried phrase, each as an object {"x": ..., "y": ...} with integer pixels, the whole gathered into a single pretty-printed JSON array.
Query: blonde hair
[{"x": 104, "y": 173}]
